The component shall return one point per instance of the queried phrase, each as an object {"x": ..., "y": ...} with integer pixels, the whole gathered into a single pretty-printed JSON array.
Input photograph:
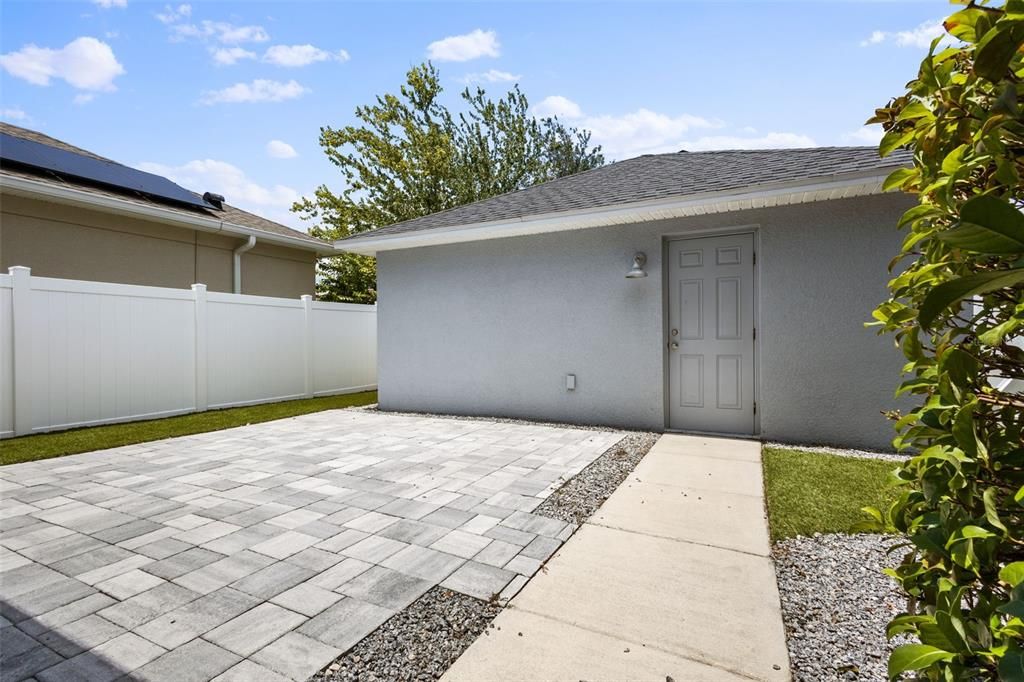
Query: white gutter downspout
[{"x": 237, "y": 267}]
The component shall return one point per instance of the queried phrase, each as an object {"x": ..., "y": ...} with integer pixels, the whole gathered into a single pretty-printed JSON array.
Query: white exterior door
[{"x": 711, "y": 334}]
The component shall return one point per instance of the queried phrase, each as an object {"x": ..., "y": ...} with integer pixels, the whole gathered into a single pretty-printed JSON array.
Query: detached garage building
[{"x": 720, "y": 292}]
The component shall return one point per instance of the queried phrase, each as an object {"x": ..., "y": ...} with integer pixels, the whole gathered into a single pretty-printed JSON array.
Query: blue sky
[{"x": 229, "y": 97}]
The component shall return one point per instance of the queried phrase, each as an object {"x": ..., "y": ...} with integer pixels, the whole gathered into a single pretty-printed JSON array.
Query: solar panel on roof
[{"x": 37, "y": 155}]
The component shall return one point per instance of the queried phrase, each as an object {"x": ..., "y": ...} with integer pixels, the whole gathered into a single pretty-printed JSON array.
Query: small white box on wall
[{"x": 570, "y": 382}]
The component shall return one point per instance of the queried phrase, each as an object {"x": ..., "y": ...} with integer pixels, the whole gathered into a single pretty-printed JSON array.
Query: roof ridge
[{"x": 858, "y": 148}]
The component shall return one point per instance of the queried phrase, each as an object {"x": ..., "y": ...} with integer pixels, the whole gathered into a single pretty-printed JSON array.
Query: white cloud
[
  {"x": 301, "y": 55},
  {"x": 649, "y": 132},
  {"x": 260, "y": 90},
  {"x": 226, "y": 56},
  {"x": 85, "y": 63},
  {"x": 871, "y": 135},
  {"x": 875, "y": 38},
  {"x": 107, "y": 4},
  {"x": 491, "y": 76},
  {"x": 84, "y": 98},
  {"x": 220, "y": 31},
  {"x": 15, "y": 115},
  {"x": 920, "y": 37},
  {"x": 220, "y": 177},
  {"x": 462, "y": 48},
  {"x": 642, "y": 131},
  {"x": 556, "y": 105},
  {"x": 767, "y": 141},
  {"x": 172, "y": 15},
  {"x": 281, "y": 150}
]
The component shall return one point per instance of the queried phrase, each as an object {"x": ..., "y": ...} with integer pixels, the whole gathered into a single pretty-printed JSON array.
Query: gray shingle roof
[
  {"x": 230, "y": 214},
  {"x": 652, "y": 177}
]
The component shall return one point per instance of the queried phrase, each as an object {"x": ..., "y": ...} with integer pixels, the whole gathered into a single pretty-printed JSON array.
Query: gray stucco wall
[{"x": 493, "y": 327}]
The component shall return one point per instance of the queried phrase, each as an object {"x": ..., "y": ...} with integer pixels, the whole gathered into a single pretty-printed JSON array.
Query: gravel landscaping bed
[
  {"x": 836, "y": 603},
  {"x": 419, "y": 643},
  {"x": 582, "y": 494},
  {"x": 842, "y": 452}
]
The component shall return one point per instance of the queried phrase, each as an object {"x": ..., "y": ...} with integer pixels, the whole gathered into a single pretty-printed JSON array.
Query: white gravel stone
[
  {"x": 842, "y": 452},
  {"x": 584, "y": 493},
  {"x": 836, "y": 603}
]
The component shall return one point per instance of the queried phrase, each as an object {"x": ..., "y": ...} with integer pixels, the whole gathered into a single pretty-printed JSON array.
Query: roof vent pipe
[
  {"x": 215, "y": 200},
  {"x": 237, "y": 266}
]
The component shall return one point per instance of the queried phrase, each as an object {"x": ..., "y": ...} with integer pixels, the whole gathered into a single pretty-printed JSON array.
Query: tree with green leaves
[
  {"x": 410, "y": 156},
  {"x": 956, "y": 308}
]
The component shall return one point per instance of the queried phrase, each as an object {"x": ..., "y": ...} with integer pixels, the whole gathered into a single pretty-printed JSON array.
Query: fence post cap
[
  {"x": 198, "y": 287},
  {"x": 15, "y": 269},
  {"x": 306, "y": 297}
]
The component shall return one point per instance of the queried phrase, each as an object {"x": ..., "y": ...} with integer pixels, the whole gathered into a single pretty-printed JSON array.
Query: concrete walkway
[{"x": 671, "y": 578}]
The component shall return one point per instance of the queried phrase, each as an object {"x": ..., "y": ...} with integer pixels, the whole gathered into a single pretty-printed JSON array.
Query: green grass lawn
[
  {"x": 46, "y": 445},
  {"x": 815, "y": 492}
]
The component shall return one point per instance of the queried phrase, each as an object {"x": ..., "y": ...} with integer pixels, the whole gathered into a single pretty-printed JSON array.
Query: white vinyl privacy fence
[{"x": 76, "y": 353}]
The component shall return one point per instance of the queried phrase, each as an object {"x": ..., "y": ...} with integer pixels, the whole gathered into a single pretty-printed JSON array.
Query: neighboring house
[
  {"x": 721, "y": 292},
  {"x": 61, "y": 224}
]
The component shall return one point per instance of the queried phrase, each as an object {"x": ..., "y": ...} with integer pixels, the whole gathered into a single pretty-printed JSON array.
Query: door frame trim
[{"x": 753, "y": 229}]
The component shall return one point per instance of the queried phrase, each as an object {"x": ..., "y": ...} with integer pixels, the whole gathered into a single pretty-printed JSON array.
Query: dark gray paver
[
  {"x": 385, "y": 587},
  {"x": 345, "y": 623},
  {"x": 254, "y": 629},
  {"x": 196, "y": 661},
  {"x": 27, "y": 663},
  {"x": 478, "y": 580},
  {"x": 81, "y": 635},
  {"x": 296, "y": 656},
  {"x": 421, "y": 562},
  {"x": 183, "y": 562},
  {"x": 307, "y": 599},
  {"x": 247, "y": 671},
  {"x": 272, "y": 580},
  {"x": 414, "y": 532},
  {"x": 66, "y": 614},
  {"x": 193, "y": 619},
  {"x": 148, "y": 605}
]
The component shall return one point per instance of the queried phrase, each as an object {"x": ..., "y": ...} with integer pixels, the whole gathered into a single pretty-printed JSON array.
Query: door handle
[{"x": 674, "y": 345}]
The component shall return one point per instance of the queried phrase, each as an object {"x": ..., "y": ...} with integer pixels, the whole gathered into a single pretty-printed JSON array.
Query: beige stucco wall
[{"x": 56, "y": 240}]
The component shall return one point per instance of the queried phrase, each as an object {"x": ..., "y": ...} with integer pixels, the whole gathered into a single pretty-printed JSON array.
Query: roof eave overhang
[
  {"x": 34, "y": 189},
  {"x": 760, "y": 196}
]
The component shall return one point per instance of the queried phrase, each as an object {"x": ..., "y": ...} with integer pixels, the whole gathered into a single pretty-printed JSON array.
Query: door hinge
[
  {"x": 755, "y": 333},
  {"x": 755, "y": 258},
  {"x": 755, "y": 407}
]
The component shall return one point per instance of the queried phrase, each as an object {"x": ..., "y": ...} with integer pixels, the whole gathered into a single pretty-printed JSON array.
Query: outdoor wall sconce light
[{"x": 639, "y": 260}]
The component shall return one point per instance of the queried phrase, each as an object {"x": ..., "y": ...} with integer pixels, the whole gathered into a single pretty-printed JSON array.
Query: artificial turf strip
[
  {"x": 815, "y": 492},
  {"x": 58, "y": 444}
]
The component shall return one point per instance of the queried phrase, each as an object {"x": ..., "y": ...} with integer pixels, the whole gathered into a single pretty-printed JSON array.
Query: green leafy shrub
[{"x": 956, "y": 310}]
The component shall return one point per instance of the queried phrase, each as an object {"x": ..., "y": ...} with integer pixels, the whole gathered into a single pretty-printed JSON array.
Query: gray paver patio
[{"x": 271, "y": 547}]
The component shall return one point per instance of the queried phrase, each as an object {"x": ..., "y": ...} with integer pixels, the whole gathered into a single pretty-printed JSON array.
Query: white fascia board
[
  {"x": 836, "y": 187},
  {"x": 33, "y": 189}
]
